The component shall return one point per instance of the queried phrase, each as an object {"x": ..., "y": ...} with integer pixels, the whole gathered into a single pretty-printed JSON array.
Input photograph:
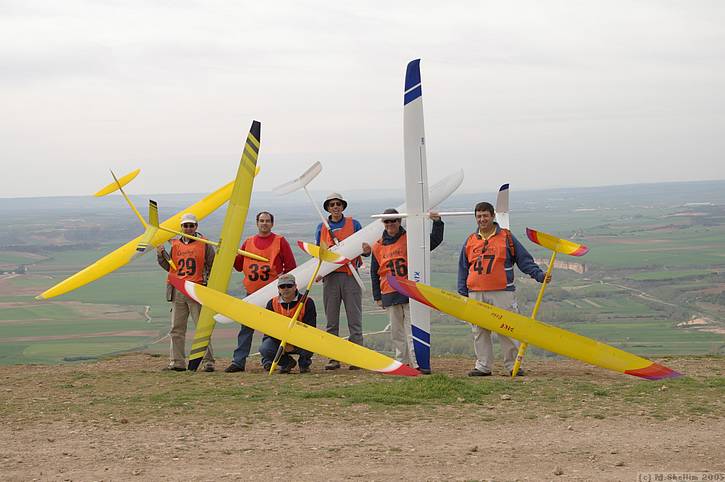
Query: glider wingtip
[
  {"x": 655, "y": 371},
  {"x": 408, "y": 288},
  {"x": 194, "y": 364},
  {"x": 412, "y": 89},
  {"x": 403, "y": 371},
  {"x": 581, "y": 251},
  {"x": 256, "y": 129}
]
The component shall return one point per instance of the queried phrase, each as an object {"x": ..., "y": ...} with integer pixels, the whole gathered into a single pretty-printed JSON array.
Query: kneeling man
[{"x": 286, "y": 304}]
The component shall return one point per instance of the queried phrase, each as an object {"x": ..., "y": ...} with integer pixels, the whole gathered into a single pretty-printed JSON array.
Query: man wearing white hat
[
  {"x": 340, "y": 286},
  {"x": 193, "y": 260}
]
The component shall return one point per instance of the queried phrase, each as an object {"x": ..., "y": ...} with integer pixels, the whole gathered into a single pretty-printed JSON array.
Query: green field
[{"x": 648, "y": 269}]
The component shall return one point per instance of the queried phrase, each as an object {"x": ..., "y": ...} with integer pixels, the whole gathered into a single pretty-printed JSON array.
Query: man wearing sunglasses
[
  {"x": 486, "y": 273},
  {"x": 285, "y": 304},
  {"x": 340, "y": 286},
  {"x": 193, "y": 260},
  {"x": 390, "y": 256},
  {"x": 258, "y": 274}
]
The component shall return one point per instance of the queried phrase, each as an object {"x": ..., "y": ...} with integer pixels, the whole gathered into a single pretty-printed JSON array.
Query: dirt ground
[{"x": 65, "y": 423}]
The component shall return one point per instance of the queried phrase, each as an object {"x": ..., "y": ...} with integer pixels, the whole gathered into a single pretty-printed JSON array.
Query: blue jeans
[
  {"x": 268, "y": 349},
  {"x": 244, "y": 345}
]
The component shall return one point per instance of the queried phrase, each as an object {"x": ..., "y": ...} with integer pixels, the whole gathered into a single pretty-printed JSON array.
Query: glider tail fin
[
  {"x": 145, "y": 243},
  {"x": 118, "y": 185},
  {"x": 502, "y": 206}
]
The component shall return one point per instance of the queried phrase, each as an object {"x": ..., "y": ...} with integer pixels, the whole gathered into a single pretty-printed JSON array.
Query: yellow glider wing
[
  {"x": 118, "y": 183},
  {"x": 231, "y": 236},
  {"x": 301, "y": 335},
  {"x": 124, "y": 254},
  {"x": 533, "y": 332}
]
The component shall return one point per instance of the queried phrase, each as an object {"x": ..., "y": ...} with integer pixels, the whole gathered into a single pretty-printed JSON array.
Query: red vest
[
  {"x": 259, "y": 273},
  {"x": 289, "y": 313},
  {"x": 487, "y": 261},
  {"x": 189, "y": 260},
  {"x": 392, "y": 259},
  {"x": 347, "y": 230}
]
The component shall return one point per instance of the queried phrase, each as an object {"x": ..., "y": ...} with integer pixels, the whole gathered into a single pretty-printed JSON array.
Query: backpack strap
[{"x": 509, "y": 242}]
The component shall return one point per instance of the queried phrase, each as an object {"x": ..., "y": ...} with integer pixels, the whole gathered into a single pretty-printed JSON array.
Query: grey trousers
[
  {"x": 340, "y": 288},
  {"x": 181, "y": 308},
  {"x": 400, "y": 332},
  {"x": 482, "y": 344}
]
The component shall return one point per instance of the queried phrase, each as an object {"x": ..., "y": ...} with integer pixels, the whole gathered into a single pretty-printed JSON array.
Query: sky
[{"x": 540, "y": 94}]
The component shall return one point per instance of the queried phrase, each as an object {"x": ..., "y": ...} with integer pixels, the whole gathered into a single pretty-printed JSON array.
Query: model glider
[
  {"x": 123, "y": 255},
  {"x": 154, "y": 220},
  {"x": 350, "y": 247},
  {"x": 556, "y": 245},
  {"x": 301, "y": 335},
  {"x": 519, "y": 327},
  {"x": 322, "y": 254},
  {"x": 230, "y": 238}
]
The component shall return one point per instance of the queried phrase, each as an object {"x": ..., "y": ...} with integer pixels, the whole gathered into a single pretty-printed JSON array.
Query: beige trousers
[
  {"x": 482, "y": 344},
  {"x": 400, "y": 331},
  {"x": 181, "y": 308}
]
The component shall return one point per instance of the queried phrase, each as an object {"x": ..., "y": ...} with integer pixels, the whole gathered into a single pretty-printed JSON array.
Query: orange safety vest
[
  {"x": 393, "y": 259},
  {"x": 189, "y": 260},
  {"x": 487, "y": 261},
  {"x": 259, "y": 273},
  {"x": 345, "y": 231},
  {"x": 289, "y": 313}
]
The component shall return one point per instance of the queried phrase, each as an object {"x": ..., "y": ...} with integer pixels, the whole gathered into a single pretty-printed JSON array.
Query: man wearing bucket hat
[
  {"x": 390, "y": 256},
  {"x": 285, "y": 304},
  {"x": 193, "y": 260},
  {"x": 340, "y": 286}
]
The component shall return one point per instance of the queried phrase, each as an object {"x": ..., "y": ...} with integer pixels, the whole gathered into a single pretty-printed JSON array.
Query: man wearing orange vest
[
  {"x": 193, "y": 260},
  {"x": 340, "y": 286},
  {"x": 258, "y": 274},
  {"x": 286, "y": 304},
  {"x": 486, "y": 273},
  {"x": 390, "y": 256}
]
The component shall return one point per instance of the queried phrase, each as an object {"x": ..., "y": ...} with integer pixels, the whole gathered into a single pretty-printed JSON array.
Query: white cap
[{"x": 188, "y": 218}]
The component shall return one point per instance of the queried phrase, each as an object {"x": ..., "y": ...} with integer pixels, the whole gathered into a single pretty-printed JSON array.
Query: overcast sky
[{"x": 539, "y": 94}]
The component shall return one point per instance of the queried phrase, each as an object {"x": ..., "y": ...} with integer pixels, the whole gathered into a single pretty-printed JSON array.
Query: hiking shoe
[
  {"x": 478, "y": 373},
  {"x": 332, "y": 365},
  {"x": 288, "y": 368},
  {"x": 304, "y": 369},
  {"x": 266, "y": 367},
  {"x": 353, "y": 367},
  {"x": 173, "y": 369},
  {"x": 209, "y": 368},
  {"x": 233, "y": 368},
  {"x": 424, "y": 371},
  {"x": 520, "y": 373}
]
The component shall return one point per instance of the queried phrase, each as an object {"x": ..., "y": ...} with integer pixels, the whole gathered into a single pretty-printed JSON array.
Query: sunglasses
[
  {"x": 188, "y": 225},
  {"x": 391, "y": 221},
  {"x": 286, "y": 286},
  {"x": 333, "y": 204}
]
